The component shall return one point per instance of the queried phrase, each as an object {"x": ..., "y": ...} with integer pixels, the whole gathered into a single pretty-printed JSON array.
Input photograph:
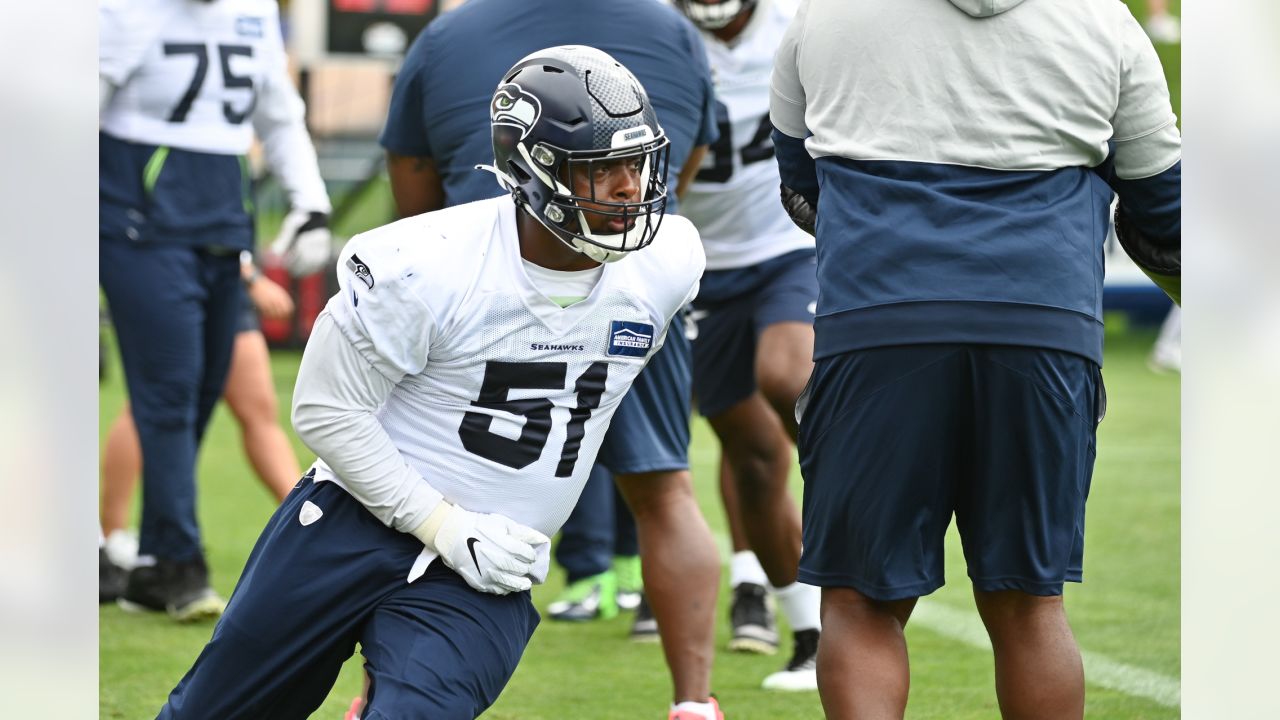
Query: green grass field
[{"x": 1126, "y": 613}]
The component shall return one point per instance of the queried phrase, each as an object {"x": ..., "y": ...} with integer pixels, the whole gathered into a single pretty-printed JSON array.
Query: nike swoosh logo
[{"x": 471, "y": 548}]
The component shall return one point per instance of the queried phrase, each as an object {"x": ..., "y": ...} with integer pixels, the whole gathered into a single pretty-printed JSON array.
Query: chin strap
[{"x": 503, "y": 179}]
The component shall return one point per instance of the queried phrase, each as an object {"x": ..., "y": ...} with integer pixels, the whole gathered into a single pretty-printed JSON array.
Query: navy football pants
[
  {"x": 434, "y": 648},
  {"x": 175, "y": 309}
]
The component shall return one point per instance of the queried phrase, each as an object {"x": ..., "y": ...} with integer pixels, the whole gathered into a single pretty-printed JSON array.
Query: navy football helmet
[
  {"x": 559, "y": 112},
  {"x": 714, "y": 15}
]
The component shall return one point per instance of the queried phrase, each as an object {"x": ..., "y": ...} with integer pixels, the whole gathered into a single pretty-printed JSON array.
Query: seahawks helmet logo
[{"x": 514, "y": 107}]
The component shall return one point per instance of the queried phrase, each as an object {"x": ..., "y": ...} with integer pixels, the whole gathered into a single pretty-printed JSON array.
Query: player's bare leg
[
  {"x": 759, "y": 453},
  {"x": 863, "y": 673},
  {"x": 784, "y": 361},
  {"x": 121, "y": 468},
  {"x": 681, "y": 574},
  {"x": 1038, "y": 669},
  {"x": 751, "y": 617},
  {"x": 251, "y": 395},
  {"x": 732, "y": 512}
]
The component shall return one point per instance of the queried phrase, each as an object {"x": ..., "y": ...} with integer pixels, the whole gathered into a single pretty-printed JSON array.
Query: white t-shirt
[{"x": 563, "y": 287}]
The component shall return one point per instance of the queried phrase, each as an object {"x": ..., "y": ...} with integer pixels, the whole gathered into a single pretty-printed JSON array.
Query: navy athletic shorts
[
  {"x": 732, "y": 308},
  {"x": 650, "y": 429},
  {"x": 434, "y": 648},
  {"x": 895, "y": 440}
]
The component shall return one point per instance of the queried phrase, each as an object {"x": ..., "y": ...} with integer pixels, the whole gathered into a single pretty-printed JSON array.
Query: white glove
[
  {"x": 304, "y": 242},
  {"x": 493, "y": 553}
]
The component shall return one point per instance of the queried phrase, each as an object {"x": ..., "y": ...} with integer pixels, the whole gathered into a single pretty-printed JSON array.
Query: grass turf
[{"x": 1128, "y": 608}]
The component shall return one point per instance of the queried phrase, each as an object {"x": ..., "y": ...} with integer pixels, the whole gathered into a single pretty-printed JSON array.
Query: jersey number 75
[{"x": 229, "y": 79}]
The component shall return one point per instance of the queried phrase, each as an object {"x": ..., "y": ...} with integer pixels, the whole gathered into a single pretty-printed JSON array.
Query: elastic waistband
[{"x": 988, "y": 323}]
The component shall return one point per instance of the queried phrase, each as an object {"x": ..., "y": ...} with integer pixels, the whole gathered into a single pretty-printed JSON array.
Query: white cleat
[{"x": 801, "y": 672}]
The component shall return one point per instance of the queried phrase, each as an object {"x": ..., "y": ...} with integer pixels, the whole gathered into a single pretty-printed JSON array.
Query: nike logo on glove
[{"x": 471, "y": 548}]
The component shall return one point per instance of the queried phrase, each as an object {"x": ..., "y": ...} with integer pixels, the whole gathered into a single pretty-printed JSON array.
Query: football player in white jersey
[
  {"x": 185, "y": 85},
  {"x": 456, "y": 391},
  {"x": 754, "y": 313}
]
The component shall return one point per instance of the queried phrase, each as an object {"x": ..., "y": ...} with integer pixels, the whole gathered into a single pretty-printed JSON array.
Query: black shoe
[
  {"x": 645, "y": 627},
  {"x": 752, "y": 621},
  {"x": 111, "y": 578},
  {"x": 801, "y": 672},
  {"x": 178, "y": 588}
]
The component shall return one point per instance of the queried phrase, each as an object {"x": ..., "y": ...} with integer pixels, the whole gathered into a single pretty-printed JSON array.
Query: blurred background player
[
  {"x": 960, "y": 230},
  {"x": 436, "y": 133},
  {"x": 423, "y": 524},
  {"x": 185, "y": 85},
  {"x": 754, "y": 312},
  {"x": 250, "y": 394},
  {"x": 599, "y": 552}
]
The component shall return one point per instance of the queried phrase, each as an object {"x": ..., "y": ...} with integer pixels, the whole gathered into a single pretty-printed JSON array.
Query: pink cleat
[
  {"x": 709, "y": 710},
  {"x": 353, "y": 712}
]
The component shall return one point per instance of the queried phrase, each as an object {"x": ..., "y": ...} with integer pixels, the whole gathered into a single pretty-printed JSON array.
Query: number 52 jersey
[{"x": 502, "y": 397}]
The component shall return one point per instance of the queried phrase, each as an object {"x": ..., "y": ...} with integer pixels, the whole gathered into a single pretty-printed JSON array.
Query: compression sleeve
[{"x": 335, "y": 402}]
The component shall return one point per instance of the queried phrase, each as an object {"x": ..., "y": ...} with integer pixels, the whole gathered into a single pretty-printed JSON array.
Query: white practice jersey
[
  {"x": 502, "y": 397},
  {"x": 734, "y": 200},
  {"x": 207, "y": 76},
  {"x": 188, "y": 74}
]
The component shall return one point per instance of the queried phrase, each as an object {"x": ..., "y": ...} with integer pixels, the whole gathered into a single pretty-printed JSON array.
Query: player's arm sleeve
[
  {"x": 786, "y": 112},
  {"x": 416, "y": 184},
  {"x": 1148, "y": 146},
  {"x": 372, "y": 334},
  {"x": 125, "y": 30},
  {"x": 405, "y": 132},
  {"x": 335, "y": 401},
  {"x": 1146, "y": 165},
  {"x": 279, "y": 120}
]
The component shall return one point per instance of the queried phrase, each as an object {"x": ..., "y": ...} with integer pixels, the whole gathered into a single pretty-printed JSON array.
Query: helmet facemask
[{"x": 566, "y": 213}]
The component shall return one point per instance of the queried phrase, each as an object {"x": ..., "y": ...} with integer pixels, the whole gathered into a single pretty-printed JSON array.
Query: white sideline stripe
[
  {"x": 966, "y": 627},
  {"x": 1098, "y": 668}
]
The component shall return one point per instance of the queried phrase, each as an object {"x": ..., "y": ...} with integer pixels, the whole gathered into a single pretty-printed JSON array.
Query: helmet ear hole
[{"x": 517, "y": 172}]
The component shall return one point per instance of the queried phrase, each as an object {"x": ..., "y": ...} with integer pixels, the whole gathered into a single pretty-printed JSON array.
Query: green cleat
[
  {"x": 630, "y": 582},
  {"x": 591, "y": 598}
]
